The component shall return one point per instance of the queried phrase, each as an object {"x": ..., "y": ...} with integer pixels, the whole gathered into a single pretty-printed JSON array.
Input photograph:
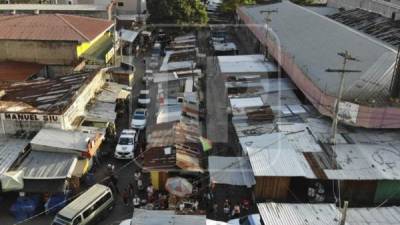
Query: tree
[
  {"x": 230, "y": 6},
  {"x": 177, "y": 12}
]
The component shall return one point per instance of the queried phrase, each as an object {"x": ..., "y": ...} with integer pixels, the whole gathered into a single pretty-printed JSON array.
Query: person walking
[
  {"x": 136, "y": 202},
  {"x": 125, "y": 197},
  {"x": 227, "y": 208}
]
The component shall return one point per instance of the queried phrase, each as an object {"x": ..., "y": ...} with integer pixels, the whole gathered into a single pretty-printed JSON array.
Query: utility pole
[
  {"x": 346, "y": 57},
  {"x": 344, "y": 213},
  {"x": 267, "y": 22}
]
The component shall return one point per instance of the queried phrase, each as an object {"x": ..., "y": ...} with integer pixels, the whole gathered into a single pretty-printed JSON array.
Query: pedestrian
[
  {"x": 227, "y": 207},
  {"x": 140, "y": 184},
  {"x": 114, "y": 181},
  {"x": 236, "y": 211},
  {"x": 110, "y": 168},
  {"x": 131, "y": 190},
  {"x": 137, "y": 175},
  {"x": 215, "y": 210},
  {"x": 136, "y": 201},
  {"x": 125, "y": 197},
  {"x": 150, "y": 190}
]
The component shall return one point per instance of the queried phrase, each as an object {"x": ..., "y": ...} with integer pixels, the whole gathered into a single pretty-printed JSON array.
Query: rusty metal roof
[
  {"x": 18, "y": 71},
  {"x": 46, "y": 95},
  {"x": 52, "y": 27}
]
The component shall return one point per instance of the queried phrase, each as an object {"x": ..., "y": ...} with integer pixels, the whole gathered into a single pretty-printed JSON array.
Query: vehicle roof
[
  {"x": 144, "y": 92},
  {"x": 85, "y": 199},
  {"x": 141, "y": 110}
]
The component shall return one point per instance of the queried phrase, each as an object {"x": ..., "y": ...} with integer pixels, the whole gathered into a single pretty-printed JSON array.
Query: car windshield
[
  {"x": 143, "y": 96},
  {"x": 138, "y": 117},
  {"x": 125, "y": 141}
]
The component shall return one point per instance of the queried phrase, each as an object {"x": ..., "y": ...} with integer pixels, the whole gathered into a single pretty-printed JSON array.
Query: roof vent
[{"x": 36, "y": 12}]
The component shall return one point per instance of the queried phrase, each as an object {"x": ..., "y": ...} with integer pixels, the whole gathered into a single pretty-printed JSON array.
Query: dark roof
[
  {"x": 370, "y": 23},
  {"x": 47, "y": 95},
  {"x": 52, "y": 27},
  {"x": 18, "y": 71}
]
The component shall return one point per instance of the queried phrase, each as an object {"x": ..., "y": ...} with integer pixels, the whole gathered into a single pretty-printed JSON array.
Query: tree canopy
[
  {"x": 230, "y": 6},
  {"x": 177, "y": 12}
]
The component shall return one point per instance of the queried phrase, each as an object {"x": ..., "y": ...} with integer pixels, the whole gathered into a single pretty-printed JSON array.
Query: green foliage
[
  {"x": 230, "y": 6},
  {"x": 177, "y": 12},
  {"x": 303, "y": 2}
]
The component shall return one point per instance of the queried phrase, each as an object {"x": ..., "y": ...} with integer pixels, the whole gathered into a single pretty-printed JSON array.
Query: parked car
[
  {"x": 139, "y": 119},
  {"x": 127, "y": 143},
  {"x": 144, "y": 97},
  {"x": 88, "y": 208}
]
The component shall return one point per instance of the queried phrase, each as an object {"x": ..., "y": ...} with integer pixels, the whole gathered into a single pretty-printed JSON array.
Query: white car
[
  {"x": 144, "y": 97},
  {"x": 126, "y": 144},
  {"x": 126, "y": 222},
  {"x": 139, "y": 119}
]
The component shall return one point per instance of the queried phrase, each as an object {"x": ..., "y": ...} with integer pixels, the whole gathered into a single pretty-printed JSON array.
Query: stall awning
[
  {"x": 98, "y": 52},
  {"x": 231, "y": 170},
  {"x": 128, "y": 35}
]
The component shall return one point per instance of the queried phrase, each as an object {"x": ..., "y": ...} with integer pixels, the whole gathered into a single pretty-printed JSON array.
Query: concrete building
[
  {"x": 54, "y": 39},
  {"x": 121, "y": 6},
  {"x": 387, "y": 8},
  {"x": 57, "y": 102},
  {"x": 306, "y": 45},
  {"x": 97, "y": 11}
]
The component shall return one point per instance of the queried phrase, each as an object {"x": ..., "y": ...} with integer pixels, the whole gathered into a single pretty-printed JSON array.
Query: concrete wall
[
  {"x": 77, "y": 108},
  {"x": 131, "y": 6},
  {"x": 43, "y": 52},
  {"x": 382, "y": 7}
]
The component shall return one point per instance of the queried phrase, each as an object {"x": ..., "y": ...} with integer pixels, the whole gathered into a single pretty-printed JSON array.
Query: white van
[{"x": 87, "y": 208}]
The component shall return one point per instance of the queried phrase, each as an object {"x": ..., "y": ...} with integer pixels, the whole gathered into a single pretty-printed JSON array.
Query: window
[
  {"x": 88, "y": 211},
  {"x": 77, "y": 220},
  {"x": 120, "y": 4}
]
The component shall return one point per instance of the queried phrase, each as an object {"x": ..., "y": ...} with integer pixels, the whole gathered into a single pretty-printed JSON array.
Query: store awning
[
  {"x": 98, "y": 53},
  {"x": 12, "y": 181},
  {"x": 128, "y": 35}
]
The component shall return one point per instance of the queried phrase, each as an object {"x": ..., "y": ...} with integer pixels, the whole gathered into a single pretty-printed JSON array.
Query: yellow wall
[
  {"x": 83, "y": 47},
  {"x": 154, "y": 175}
]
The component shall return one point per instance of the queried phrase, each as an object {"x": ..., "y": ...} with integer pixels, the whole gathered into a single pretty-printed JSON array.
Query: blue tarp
[
  {"x": 25, "y": 207},
  {"x": 55, "y": 203}
]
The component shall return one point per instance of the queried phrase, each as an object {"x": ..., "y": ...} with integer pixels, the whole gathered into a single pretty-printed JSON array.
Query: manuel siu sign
[{"x": 30, "y": 117}]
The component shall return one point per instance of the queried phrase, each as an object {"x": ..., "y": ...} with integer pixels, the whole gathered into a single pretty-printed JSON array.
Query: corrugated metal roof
[
  {"x": 45, "y": 95},
  {"x": 48, "y": 165},
  {"x": 10, "y": 148},
  {"x": 272, "y": 155},
  {"x": 314, "y": 41},
  {"x": 366, "y": 162},
  {"x": 128, "y": 35},
  {"x": 374, "y": 216},
  {"x": 158, "y": 217},
  {"x": 299, "y": 214},
  {"x": 52, "y": 27},
  {"x": 57, "y": 140},
  {"x": 245, "y": 64},
  {"x": 231, "y": 170}
]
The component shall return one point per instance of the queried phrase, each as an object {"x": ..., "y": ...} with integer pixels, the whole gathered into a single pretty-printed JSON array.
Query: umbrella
[
  {"x": 178, "y": 186},
  {"x": 12, "y": 181}
]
